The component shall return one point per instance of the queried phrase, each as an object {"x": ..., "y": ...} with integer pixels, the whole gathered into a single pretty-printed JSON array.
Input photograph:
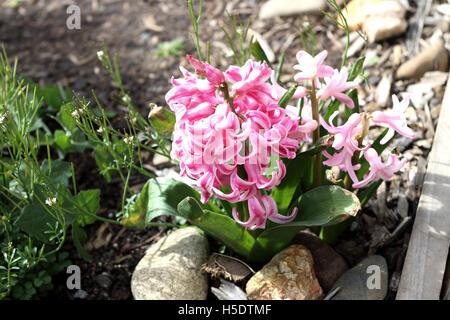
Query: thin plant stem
[{"x": 316, "y": 136}]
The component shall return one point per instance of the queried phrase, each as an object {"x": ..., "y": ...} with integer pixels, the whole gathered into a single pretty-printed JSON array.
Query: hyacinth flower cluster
[{"x": 231, "y": 134}]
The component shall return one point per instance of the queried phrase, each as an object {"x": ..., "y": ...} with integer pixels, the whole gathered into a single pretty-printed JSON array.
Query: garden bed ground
[{"x": 36, "y": 34}]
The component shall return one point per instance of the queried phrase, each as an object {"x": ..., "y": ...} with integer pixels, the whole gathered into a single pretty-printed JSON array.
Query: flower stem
[
  {"x": 316, "y": 136},
  {"x": 226, "y": 95}
]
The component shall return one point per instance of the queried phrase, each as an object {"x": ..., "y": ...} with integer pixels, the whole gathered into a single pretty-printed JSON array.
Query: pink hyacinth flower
[
  {"x": 344, "y": 138},
  {"x": 213, "y": 142},
  {"x": 378, "y": 169},
  {"x": 336, "y": 85},
  {"x": 311, "y": 67},
  {"x": 394, "y": 119},
  {"x": 214, "y": 75},
  {"x": 260, "y": 209}
]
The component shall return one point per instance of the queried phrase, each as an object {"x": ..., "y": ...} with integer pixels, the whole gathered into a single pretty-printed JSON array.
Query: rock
[
  {"x": 103, "y": 280},
  {"x": 434, "y": 57},
  {"x": 288, "y": 276},
  {"x": 161, "y": 161},
  {"x": 368, "y": 280},
  {"x": 383, "y": 92},
  {"x": 171, "y": 268},
  {"x": 80, "y": 294},
  {"x": 328, "y": 264},
  {"x": 356, "y": 46},
  {"x": 398, "y": 53},
  {"x": 402, "y": 206},
  {"x": 435, "y": 79},
  {"x": 379, "y": 19},
  {"x": 276, "y": 8}
]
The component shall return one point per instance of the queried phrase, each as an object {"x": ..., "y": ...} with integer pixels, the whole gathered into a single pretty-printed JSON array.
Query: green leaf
[
  {"x": 283, "y": 194},
  {"x": 90, "y": 201},
  {"x": 79, "y": 237},
  {"x": 322, "y": 206},
  {"x": 326, "y": 205},
  {"x": 347, "y": 111},
  {"x": 51, "y": 95},
  {"x": 259, "y": 54},
  {"x": 34, "y": 221},
  {"x": 60, "y": 171},
  {"x": 61, "y": 140},
  {"x": 368, "y": 192},
  {"x": 356, "y": 69},
  {"x": 103, "y": 160},
  {"x": 227, "y": 230},
  {"x": 158, "y": 197},
  {"x": 287, "y": 96},
  {"x": 66, "y": 117},
  {"x": 189, "y": 208}
]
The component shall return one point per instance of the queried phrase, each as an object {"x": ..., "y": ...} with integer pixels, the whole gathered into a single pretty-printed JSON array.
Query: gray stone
[
  {"x": 368, "y": 280},
  {"x": 80, "y": 294},
  {"x": 171, "y": 268},
  {"x": 276, "y": 8}
]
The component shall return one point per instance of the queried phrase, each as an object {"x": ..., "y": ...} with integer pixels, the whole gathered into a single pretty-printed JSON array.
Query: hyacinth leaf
[
  {"x": 331, "y": 234},
  {"x": 348, "y": 112},
  {"x": 286, "y": 98},
  {"x": 226, "y": 230},
  {"x": 299, "y": 176},
  {"x": 368, "y": 192},
  {"x": 159, "y": 196},
  {"x": 217, "y": 225},
  {"x": 259, "y": 54},
  {"x": 356, "y": 69},
  {"x": 189, "y": 208},
  {"x": 321, "y": 206},
  {"x": 280, "y": 68}
]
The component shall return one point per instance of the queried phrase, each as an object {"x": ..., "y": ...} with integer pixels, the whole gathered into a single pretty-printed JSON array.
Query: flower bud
[{"x": 161, "y": 119}]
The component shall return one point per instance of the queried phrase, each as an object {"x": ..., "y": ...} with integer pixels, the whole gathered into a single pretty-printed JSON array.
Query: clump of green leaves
[
  {"x": 170, "y": 48},
  {"x": 39, "y": 201}
]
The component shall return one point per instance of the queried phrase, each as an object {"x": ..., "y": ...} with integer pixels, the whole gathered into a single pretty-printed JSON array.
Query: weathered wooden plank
[{"x": 425, "y": 262}]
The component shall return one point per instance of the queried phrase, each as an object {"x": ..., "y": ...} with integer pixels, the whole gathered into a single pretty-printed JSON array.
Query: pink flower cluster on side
[
  {"x": 346, "y": 144},
  {"x": 233, "y": 154},
  {"x": 345, "y": 137}
]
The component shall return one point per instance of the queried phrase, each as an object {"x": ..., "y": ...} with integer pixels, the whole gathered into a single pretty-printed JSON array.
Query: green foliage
[
  {"x": 170, "y": 48},
  {"x": 326, "y": 205},
  {"x": 36, "y": 205}
]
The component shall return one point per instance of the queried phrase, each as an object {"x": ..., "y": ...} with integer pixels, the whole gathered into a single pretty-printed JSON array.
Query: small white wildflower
[
  {"x": 76, "y": 114},
  {"x": 100, "y": 55},
  {"x": 128, "y": 140},
  {"x": 101, "y": 130},
  {"x": 50, "y": 202},
  {"x": 2, "y": 118},
  {"x": 126, "y": 99}
]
